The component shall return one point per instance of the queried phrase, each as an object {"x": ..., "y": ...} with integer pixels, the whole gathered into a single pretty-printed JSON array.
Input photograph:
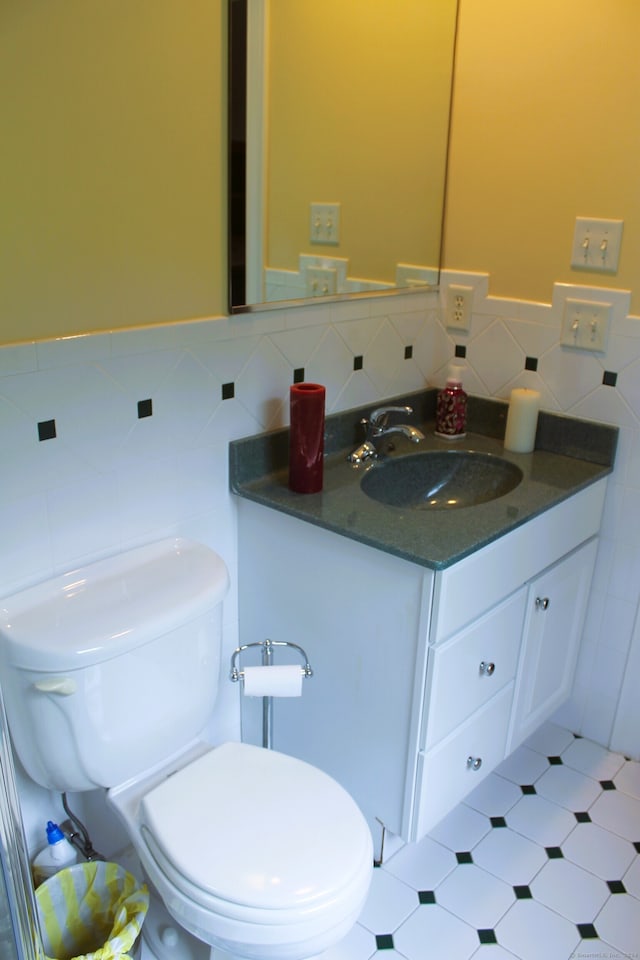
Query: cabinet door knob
[
  {"x": 487, "y": 669},
  {"x": 474, "y": 763},
  {"x": 542, "y": 603}
]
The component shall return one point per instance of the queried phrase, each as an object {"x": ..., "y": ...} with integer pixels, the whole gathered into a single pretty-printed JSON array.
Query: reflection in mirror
[{"x": 338, "y": 130}]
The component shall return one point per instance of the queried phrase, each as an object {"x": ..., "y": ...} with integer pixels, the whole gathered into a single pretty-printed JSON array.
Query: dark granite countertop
[{"x": 570, "y": 455}]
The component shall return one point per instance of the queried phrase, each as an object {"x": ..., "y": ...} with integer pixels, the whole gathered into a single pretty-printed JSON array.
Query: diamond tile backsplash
[{"x": 111, "y": 478}]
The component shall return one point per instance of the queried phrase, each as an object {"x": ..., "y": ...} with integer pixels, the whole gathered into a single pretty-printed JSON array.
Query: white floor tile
[
  {"x": 540, "y": 820},
  {"x": 533, "y": 932},
  {"x": 523, "y": 766},
  {"x": 475, "y": 896},
  {"x": 568, "y": 788},
  {"x": 389, "y": 903},
  {"x": 359, "y": 944},
  {"x": 493, "y": 951},
  {"x": 422, "y": 865},
  {"x": 598, "y": 950},
  {"x": 631, "y": 879},
  {"x": 569, "y": 890},
  {"x": 619, "y": 813},
  {"x": 510, "y": 857},
  {"x": 462, "y": 829},
  {"x": 618, "y": 923},
  {"x": 607, "y": 856},
  {"x": 550, "y": 740},
  {"x": 494, "y": 796},
  {"x": 591, "y": 759},
  {"x": 628, "y": 779},
  {"x": 433, "y": 931}
]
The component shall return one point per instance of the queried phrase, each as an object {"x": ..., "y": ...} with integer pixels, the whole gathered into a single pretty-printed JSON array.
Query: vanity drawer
[
  {"x": 472, "y": 667},
  {"x": 448, "y": 772}
]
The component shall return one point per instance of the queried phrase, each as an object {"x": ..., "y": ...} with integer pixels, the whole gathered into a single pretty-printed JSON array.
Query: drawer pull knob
[
  {"x": 487, "y": 669},
  {"x": 542, "y": 603},
  {"x": 474, "y": 763}
]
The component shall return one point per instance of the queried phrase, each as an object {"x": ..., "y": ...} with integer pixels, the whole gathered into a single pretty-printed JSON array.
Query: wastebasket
[{"x": 91, "y": 910}]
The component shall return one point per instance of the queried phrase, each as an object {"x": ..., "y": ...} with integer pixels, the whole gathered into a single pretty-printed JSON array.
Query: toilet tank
[{"x": 113, "y": 667}]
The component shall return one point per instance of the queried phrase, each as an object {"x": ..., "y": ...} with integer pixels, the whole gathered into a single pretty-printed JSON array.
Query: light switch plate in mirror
[{"x": 362, "y": 121}]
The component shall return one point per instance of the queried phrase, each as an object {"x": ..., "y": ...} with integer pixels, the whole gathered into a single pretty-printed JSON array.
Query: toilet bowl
[
  {"x": 111, "y": 673},
  {"x": 251, "y": 850}
]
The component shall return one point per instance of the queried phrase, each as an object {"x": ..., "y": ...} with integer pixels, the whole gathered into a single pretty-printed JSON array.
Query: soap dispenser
[{"x": 451, "y": 406}]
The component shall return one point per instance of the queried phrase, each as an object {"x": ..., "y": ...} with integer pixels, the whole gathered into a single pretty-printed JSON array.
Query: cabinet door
[{"x": 556, "y": 606}]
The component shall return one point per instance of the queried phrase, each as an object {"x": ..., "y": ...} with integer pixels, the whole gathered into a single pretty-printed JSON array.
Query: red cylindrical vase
[{"x": 306, "y": 437}]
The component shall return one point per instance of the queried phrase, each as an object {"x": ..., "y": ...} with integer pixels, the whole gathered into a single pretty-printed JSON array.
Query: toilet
[{"x": 110, "y": 675}]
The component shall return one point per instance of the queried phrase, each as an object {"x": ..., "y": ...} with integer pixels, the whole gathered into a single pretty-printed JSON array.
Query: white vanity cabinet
[{"x": 423, "y": 680}]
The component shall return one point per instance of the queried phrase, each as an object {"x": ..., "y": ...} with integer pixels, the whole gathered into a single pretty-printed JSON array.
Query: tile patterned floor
[{"x": 541, "y": 862}]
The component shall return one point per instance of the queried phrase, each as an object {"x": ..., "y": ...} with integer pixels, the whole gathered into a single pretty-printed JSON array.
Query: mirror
[{"x": 338, "y": 136}]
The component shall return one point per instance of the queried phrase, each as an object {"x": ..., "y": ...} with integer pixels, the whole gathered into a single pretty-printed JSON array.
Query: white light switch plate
[
  {"x": 585, "y": 324},
  {"x": 596, "y": 245}
]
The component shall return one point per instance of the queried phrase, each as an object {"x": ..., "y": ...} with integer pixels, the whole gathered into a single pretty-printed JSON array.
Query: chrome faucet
[{"x": 377, "y": 426}]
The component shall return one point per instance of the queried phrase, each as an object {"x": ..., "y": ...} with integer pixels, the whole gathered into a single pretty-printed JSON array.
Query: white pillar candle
[{"x": 522, "y": 421}]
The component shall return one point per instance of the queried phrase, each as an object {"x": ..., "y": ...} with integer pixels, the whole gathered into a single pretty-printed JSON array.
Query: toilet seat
[
  {"x": 279, "y": 835},
  {"x": 252, "y": 851}
]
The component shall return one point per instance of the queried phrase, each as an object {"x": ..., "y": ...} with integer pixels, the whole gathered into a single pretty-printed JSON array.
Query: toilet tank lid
[{"x": 100, "y": 611}]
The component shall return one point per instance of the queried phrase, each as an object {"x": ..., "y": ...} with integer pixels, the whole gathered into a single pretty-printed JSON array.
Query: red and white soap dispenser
[{"x": 451, "y": 406}]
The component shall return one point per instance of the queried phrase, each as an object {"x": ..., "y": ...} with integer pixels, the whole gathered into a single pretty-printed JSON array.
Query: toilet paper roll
[{"x": 273, "y": 681}]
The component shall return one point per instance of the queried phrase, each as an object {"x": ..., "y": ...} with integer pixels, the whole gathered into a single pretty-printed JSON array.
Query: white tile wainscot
[{"x": 398, "y": 709}]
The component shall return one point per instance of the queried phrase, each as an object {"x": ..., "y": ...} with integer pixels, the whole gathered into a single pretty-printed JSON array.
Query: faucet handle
[{"x": 379, "y": 416}]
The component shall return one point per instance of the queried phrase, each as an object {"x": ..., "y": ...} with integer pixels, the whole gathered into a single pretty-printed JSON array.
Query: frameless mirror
[{"x": 338, "y": 134}]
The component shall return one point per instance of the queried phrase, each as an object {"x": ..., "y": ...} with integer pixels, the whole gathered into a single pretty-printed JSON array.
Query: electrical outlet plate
[
  {"x": 324, "y": 223},
  {"x": 596, "y": 245},
  {"x": 585, "y": 324},
  {"x": 458, "y": 306}
]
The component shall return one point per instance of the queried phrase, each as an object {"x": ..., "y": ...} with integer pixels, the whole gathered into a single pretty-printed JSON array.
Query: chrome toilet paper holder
[{"x": 267, "y": 647}]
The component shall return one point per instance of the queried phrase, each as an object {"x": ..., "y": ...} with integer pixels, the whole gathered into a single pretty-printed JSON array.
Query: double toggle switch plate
[
  {"x": 585, "y": 324},
  {"x": 324, "y": 223},
  {"x": 596, "y": 245}
]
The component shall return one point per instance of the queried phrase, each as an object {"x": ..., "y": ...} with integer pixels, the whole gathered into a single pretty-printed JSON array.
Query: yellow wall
[
  {"x": 112, "y": 205},
  {"x": 546, "y": 127},
  {"x": 129, "y": 95},
  {"x": 359, "y": 103}
]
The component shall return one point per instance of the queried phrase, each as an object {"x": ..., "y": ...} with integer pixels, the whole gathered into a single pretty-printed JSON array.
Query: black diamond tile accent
[
  {"x": 498, "y": 822},
  {"x": 527, "y": 788},
  {"x": 531, "y": 363},
  {"x": 609, "y": 378},
  {"x": 47, "y": 430},
  {"x": 616, "y": 886},
  {"x": 487, "y": 936},
  {"x": 587, "y": 931},
  {"x": 358, "y": 362},
  {"x": 464, "y": 857},
  {"x": 426, "y": 897},
  {"x": 145, "y": 409},
  {"x": 384, "y": 941},
  {"x": 607, "y": 785},
  {"x": 228, "y": 391},
  {"x": 408, "y": 352},
  {"x": 582, "y": 817},
  {"x": 554, "y": 853},
  {"x": 523, "y": 893},
  {"x": 298, "y": 375},
  {"x": 555, "y": 761},
  {"x": 461, "y": 350},
  {"x": 637, "y": 845}
]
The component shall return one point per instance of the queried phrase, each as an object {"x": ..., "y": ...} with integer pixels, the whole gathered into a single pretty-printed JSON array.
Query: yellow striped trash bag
[{"x": 91, "y": 910}]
